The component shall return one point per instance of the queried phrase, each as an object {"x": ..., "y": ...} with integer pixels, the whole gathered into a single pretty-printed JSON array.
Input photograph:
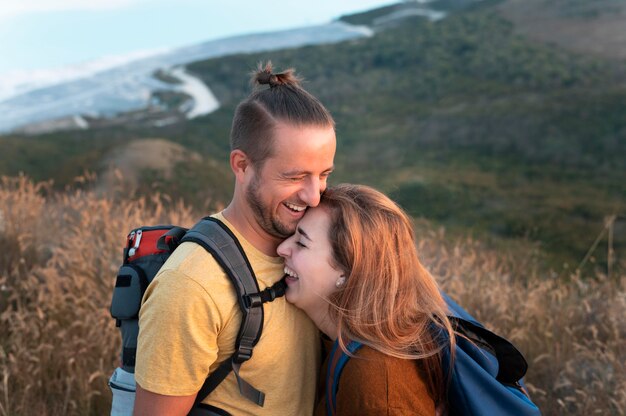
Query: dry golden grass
[
  {"x": 571, "y": 329},
  {"x": 59, "y": 255}
]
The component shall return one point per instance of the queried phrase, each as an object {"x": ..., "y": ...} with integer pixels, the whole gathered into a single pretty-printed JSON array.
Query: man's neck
[{"x": 247, "y": 226}]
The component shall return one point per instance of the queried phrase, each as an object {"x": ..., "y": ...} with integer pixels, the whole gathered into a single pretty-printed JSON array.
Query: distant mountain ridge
[
  {"x": 98, "y": 91},
  {"x": 130, "y": 86}
]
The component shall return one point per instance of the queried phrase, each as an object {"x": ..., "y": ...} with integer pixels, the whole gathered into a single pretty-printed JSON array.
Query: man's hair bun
[{"x": 265, "y": 76}]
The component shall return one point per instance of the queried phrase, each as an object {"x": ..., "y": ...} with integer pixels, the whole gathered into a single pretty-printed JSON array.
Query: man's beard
[{"x": 263, "y": 214}]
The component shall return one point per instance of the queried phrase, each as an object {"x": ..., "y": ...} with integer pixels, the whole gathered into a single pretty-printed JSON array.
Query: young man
[{"x": 283, "y": 145}]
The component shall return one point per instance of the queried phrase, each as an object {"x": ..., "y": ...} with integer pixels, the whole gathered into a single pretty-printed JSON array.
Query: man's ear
[{"x": 239, "y": 163}]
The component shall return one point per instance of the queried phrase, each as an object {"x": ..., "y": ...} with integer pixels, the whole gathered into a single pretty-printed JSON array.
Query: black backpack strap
[
  {"x": 217, "y": 239},
  {"x": 170, "y": 240},
  {"x": 207, "y": 410},
  {"x": 214, "y": 380},
  {"x": 511, "y": 363}
]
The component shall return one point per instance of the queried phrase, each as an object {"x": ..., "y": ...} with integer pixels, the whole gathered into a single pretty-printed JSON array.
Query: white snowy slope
[
  {"x": 204, "y": 102},
  {"x": 16, "y": 82},
  {"x": 129, "y": 86}
]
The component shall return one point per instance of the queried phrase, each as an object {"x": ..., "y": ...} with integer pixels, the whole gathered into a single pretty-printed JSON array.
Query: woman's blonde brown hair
[{"x": 389, "y": 301}]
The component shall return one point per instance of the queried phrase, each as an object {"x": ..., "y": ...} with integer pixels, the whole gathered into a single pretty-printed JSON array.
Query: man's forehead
[{"x": 301, "y": 135}]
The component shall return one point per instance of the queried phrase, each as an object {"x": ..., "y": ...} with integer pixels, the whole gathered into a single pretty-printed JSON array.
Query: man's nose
[{"x": 312, "y": 192}]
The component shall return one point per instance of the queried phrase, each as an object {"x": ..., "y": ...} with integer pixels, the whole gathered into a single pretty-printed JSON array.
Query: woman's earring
[{"x": 340, "y": 281}]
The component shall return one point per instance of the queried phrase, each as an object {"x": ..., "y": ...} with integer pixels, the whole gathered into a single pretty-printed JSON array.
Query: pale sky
[{"x": 46, "y": 34}]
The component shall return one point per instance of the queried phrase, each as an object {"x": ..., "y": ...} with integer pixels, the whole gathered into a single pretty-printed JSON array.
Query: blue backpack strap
[
  {"x": 217, "y": 239},
  {"x": 487, "y": 372},
  {"x": 336, "y": 362},
  {"x": 486, "y": 375}
]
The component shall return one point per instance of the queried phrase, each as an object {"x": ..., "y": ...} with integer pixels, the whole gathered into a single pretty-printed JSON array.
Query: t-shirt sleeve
[
  {"x": 391, "y": 387},
  {"x": 178, "y": 327}
]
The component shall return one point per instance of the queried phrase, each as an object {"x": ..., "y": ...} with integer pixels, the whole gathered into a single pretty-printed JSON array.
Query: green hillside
[
  {"x": 467, "y": 124},
  {"x": 462, "y": 121}
]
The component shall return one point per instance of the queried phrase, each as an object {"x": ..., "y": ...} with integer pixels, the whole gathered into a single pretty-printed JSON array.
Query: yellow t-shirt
[{"x": 188, "y": 324}]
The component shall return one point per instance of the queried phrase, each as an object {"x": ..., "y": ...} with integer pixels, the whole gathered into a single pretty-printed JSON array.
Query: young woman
[{"x": 353, "y": 268}]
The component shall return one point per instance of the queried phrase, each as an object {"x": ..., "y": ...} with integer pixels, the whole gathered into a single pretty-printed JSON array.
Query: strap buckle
[
  {"x": 135, "y": 237},
  {"x": 242, "y": 354},
  {"x": 272, "y": 293},
  {"x": 253, "y": 300}
]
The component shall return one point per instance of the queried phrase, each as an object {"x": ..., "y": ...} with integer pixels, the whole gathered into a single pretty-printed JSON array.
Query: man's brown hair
[{"x": 284, "y": 101}]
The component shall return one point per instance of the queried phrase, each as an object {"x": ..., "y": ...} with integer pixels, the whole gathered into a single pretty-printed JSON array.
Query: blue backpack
[{"x": 486, "y": 378}]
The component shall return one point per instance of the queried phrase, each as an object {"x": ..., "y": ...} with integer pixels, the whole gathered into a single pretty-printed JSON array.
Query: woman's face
[{"x": 307, "y": 253}]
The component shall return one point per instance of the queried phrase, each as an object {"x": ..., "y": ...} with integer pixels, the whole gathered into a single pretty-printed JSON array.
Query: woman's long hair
[{"x": 389, "y": 301}]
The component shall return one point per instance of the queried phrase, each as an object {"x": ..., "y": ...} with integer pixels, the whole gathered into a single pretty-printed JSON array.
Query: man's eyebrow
[
  {"x": 304, "y": 234},
  {"x": 297, "y": 172}
]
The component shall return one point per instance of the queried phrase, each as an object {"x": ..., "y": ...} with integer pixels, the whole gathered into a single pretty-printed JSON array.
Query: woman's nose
[{"x": 283, "y": 248}]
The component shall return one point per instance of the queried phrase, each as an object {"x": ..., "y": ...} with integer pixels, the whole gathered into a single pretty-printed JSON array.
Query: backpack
[
  {"x": 486, "y": 377},
  {"x": 146, "y": 250}
]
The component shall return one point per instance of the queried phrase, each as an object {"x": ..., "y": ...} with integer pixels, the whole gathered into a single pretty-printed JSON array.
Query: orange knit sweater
[{"x": 373, "y": 383}]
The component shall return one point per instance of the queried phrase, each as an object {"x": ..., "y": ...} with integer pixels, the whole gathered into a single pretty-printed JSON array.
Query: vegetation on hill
[
  {"x": 593, "y": 27},
  {"x": 462, "y": 120},
  {"x": 466, "y": 123}
]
